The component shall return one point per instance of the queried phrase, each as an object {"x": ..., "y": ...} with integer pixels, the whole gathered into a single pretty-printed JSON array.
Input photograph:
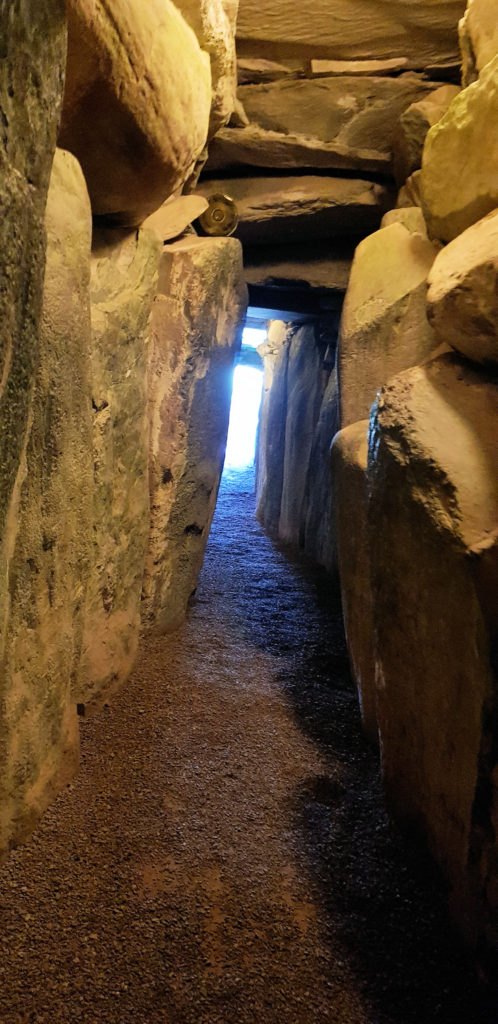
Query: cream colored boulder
[
  {"x": 412, "y": 129},
  {"x": 433, "y": 525},
  {"x": 214, "y": 26},
  {"x": 463, "y": 292},
  {"x": 174, "y": 216},
  {"x": 49, "y": 530},
  {"x": 409, "y": 194},
  {"x": 137, "y": 103},
  {"x": 411, "y": 217},
  {"x": 384, "y": 327},
  {"x": 349, "y": 474},
  {"x": 478, "y": 30},
  {"x": 271, "y": 434},
  {"x": 123, "y": 285},
  {"x": 195, "y": 328},
  {"x": 424, "y": 32},
  {"x": 460, "y": 161}
]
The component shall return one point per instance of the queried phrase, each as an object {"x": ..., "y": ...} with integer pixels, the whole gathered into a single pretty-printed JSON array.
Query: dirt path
[{"x": 223, "y": 856}]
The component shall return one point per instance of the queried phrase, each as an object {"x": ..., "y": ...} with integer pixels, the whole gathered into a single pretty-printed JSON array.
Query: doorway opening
[{"x": 246, "y": 401}]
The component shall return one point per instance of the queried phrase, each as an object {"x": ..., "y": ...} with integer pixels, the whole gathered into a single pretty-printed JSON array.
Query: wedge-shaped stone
[
  {"x": 463, "y": 292},
  {"x": 478, "y": 31},
  {"x": 349, "y": 475},
  {"x": 460, "y": 161},
  {"x": 49, "y": 528},
  {"x": 195, "y": 329},
  {"x": 174, "y": 216},
  {"x": 137, "y": 103},
  {"x": 124, "y": 282},
  {"x": 215, "y": 31},
  {"x": 384, "y": 327},
  {"x": 433, "y": 525},
  {"x": 292, "y": 209},
  {"x": 414, "y": 123},
  {"x": 424, "y": 33}
]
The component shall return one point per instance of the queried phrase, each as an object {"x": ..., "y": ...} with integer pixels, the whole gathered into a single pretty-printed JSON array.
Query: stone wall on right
[{"x": 415, "y": 469}]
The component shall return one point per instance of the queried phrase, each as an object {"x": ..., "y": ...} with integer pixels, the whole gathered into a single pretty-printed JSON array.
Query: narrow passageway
[{"x": 223, "y": 856}]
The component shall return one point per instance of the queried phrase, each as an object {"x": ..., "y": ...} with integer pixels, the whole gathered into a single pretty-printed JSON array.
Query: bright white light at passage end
[
  {"x": 253, "y": 336},
  {"x": 244, "y": 412}
]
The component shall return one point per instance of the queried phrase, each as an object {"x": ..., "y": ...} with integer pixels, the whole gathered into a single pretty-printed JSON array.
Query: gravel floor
[{"x": 223, "y": 856}]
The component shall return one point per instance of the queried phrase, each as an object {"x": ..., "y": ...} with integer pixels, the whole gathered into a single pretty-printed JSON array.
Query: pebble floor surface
[{"x": 223, "y": 856}]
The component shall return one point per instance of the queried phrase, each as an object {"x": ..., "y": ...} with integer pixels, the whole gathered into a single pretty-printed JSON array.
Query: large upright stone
[
  {"x": 124, "y": 282},
  {"x": 433, "y": 480},
  {"x": 460, "y": 161},
  {"x": 136, "y": 105},
  {"x": 319, "y": 526},
  {"x": 384, "y": 327},
  {"x": 196, "y": 326},
  {"x": 214, "y": 26},
  {"x": 271, "y": 433},
  {"x": 423, "y": 32},
  {"x": 49, "y": 530},
  {"x": 463, "y": 292},
  {"x": 478, "y": 32}
]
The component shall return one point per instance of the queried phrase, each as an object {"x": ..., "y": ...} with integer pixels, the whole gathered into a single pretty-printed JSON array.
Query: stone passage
[{"x": 223, "y": 857}]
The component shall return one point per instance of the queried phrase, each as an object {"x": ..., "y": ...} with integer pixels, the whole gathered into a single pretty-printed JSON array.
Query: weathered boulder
[
  {"x": 215, "y": 31},
  {"x": 349, "y": 472},
  {"x": 123, "y": 285},
  {"x": 195, "y": 328},
  {"x": 48, "y": 532},
  {"x": 280, "y": 210},
  {"x": 424, "y": 32},
  {"x": 411, "y": 217},
  {"x": 411, "y": 132},
  {"x": 304, "y": 397},
  {"x": 434, "y": 541},
  {"x": 271, "y": 433},
  {"x": 478, "y": 30},
  {"x": 136, "y": 105},
  {"x": 463, "y": 292},
  {"x": 460, "y": 161},
  {"x": 319, "y": 526},
  {"x": 384, "y": 327}
]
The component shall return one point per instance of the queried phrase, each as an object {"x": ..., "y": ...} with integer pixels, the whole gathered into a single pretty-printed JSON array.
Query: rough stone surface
[
  {"x": 424, "y": 32},
  {"x": 349, "y": 472},
  {"x": 409, "y": 194},
  {"x": 124, "y": 281},
  {"x": 50, "y": 537},
  {"x": 319, "y": 526},
  {"x": 414, "y": 123},
  {"x": 253, "y": 70},
  {"x": 434, "y": 540},
  {"x": 195, "y": 328},
  {"x": 215, "y": 31},
  {"x": 384, "y": 327},
  {"x": 271, "y": 434},
  {"x": 411, "y": 217},
  {"x": 137, "y": 103},
  {"x": 31, "y": 75},
  {"x": 463, "y": 292},
  {"x": 459, "y": 169},
  {"x": 174, "y": 216},
  {"x": 304, "y": 396},
  {"x": 292, "y": 209},
  {"x": 323, "y": 265},
  {"x": 478, "y": 31},
  {"x": 359, "y": 67}
]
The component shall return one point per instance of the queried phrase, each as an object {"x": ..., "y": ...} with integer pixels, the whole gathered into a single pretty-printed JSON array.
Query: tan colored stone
[
  {"x": 271, "y": 433},
  {"x": 463, "y": 292},
  {"x": 384, "y": 327},
  {"x": 292, "y": 209},
  {"x": 414, "y": 123},
  {"x": 137, "y": 103},
  {"x": 349, "y": 472},
  {"x": 478, "y": 30},
  {"x": 124, "y": 282},
  {"x": 326, "y": 266},
  {"x": 423, "y": 32},
  {"x": 196, "y": 324},
  {"x": 460, "y": 162},
  {"x": 433, "y": 517},
  {"x": 214, "y": 27},
  {"x": 49, "y": 529},
  {"x": 252, "y": 70},
  {"x": 319, "y": 526},
  {"x": 174, "y": 216},
  {"x": 409, "y": 195},
  {"x": 411, "y": 217},
  {"x": 359, "y": 67}
]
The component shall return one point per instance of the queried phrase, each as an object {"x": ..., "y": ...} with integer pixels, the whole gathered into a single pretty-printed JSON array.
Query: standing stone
[
  {"x": 136, "y": 105},
  {"x": 478, "y": 31},
  {"x": 412, "y": 129},
  {"x": 349, "y": 473},
  {"x": 124, "y": 282},
  {"x": 214, "y": 26},
  {"x": 49, "y": 527},
  {"x": 433, "y": 527},
  {"x": 384, "y": 326},
  {"x": 196, "y": 326},
  {"x": 460, "y": 161},
  {"x": 271, "y": 432},
  {"x": 463, "y": 292},
  {"x": 319, "y": 530}
]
